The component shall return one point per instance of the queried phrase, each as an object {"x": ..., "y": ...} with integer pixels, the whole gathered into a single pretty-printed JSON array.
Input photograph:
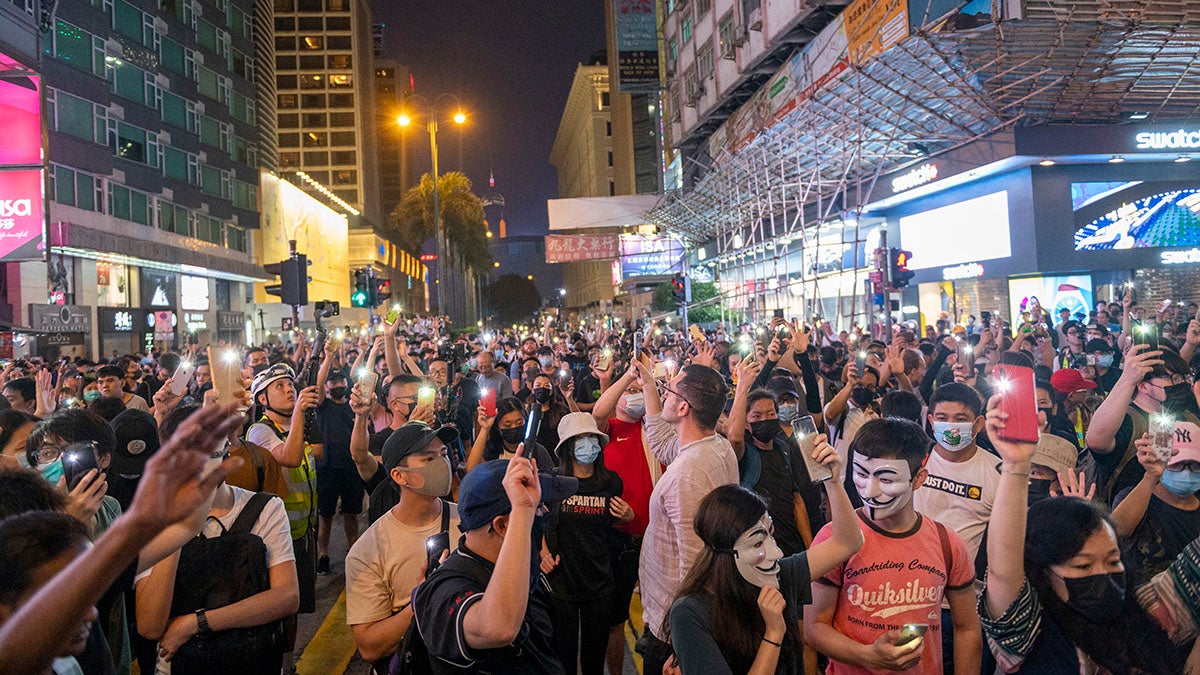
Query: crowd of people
[{"x": 782, "y": 497}]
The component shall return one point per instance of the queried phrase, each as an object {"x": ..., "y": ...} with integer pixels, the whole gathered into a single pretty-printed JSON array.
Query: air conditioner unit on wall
[
  {"x": 728, "y": 51},
  {"x": 756, "y": 19},
  {"x": 740, "y": 35}
]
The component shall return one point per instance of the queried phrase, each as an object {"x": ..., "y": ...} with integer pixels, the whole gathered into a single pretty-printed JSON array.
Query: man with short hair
[
  {"x": 490, "y": 378},
  {"x": 386, "y": 563},
  {"x": 529, "y": 347},
  {"x": 204, "y": 380},
  {"x": 337, "y": 479},
  {"x": 256, "y": 359},
  {"x": 21, "y": 394},
  {"x": 483, "y": 609},
  {"x": 109, "y": 379},
  {"x": 680, "y": 429},
  {"x": 150, "y": 384},
  {"x": 366, "y": 448}
]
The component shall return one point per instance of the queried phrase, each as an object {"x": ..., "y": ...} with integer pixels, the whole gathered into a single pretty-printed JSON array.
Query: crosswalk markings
[{"x": 332, "y": 647}]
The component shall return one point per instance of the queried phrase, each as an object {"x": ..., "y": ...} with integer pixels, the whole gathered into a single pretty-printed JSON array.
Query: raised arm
[
  {"x": 1102, "y": 430},
  {"x": 837, "y": 405},
  {"x": 736, "y": 427},
  {"x": 360, "y": 436},
  {"x": 847, "y": 538},
  {"x": 1006, "y": 530},
  {"x": 1129, "y": 513},
  {"x": 606, "y": 405},
  {"x": 483, "y": 428},
  {"x": 331, "y": 355}
]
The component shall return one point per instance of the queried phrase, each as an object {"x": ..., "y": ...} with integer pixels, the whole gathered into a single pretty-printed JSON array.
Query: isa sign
[
  {"x": 21, "y": 214},
  {"x": 649, "y": 254}
]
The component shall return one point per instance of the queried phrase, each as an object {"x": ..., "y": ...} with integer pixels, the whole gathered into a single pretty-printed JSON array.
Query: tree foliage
[
  {"x": 664, "y": 301},
  {"x": 411, "y": 223},
  {"x": 514, "y": 298}
]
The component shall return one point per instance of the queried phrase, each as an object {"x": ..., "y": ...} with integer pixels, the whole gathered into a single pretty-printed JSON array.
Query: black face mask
[
  {"x": 259, "y": 368},
  {"x": 764, "y": 431},
  {"x": 542, "y": 394},
  {"x": 1179, "y": 397},
  {"x": 1096, "y": 596},
  {"x": 338, "y": 392},
  {"x": 862, "y": 396},
  {"x": 1039, "y": 489},
  {"x": 513, "y": 436}
]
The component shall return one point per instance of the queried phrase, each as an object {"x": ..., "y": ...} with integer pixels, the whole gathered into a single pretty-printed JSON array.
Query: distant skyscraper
[
  {"x": 391, "y": 90},
  {"x": 325, "y": 82}
]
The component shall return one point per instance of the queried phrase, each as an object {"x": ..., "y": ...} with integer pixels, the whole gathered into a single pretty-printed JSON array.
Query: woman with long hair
[
  {"x": 497, "y": 436},
  {"x": 738, "y": 608},
  {"x": 1059, "y": 597}
]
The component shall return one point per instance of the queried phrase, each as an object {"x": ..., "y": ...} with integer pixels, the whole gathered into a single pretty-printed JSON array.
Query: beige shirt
[
  {"x": 383, "y": 566},
  {"x": 671, "y": 544},
  {"x": 136, "y": 402}
]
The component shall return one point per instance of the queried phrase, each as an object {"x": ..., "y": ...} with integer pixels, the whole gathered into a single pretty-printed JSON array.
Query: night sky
[{"x": 511, "y": 63}]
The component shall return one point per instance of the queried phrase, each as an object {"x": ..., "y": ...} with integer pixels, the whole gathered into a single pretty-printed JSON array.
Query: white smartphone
[
  {"x": 367, "y": 379},
  {"x": 183, "y": 375},
  {"x": 806, "y": 437}
]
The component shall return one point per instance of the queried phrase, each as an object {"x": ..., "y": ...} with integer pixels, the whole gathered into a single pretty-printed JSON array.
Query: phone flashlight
[
  {"x": 231, "y": 356},
  {"x": 362, "y": 372}
]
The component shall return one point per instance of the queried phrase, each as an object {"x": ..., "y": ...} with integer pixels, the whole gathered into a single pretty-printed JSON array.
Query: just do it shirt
[{"x": 894, "y": 579}]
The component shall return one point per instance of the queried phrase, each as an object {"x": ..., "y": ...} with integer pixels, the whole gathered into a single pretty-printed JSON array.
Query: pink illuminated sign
[
  {"x": 21, "y": 214},
  {"x": 21, "y": 120}
]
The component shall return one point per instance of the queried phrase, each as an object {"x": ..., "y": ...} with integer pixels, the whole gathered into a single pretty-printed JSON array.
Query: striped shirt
[{"x": 671, "y": 543}]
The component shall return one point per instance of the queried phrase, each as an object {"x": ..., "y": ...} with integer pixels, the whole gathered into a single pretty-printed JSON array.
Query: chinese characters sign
[
  {"x": 644, "y": 255},
  {"x": 577, "y": 247},
  {"x": 637, "y": 45}
]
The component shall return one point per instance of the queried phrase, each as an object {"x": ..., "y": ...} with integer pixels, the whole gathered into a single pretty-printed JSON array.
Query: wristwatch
[{"x": 201, "y": 623}]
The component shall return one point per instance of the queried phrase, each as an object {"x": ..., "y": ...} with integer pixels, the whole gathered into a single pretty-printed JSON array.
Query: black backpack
[
  {"x": 219, "y": 571},
  {"x": 412, "y": 656}
]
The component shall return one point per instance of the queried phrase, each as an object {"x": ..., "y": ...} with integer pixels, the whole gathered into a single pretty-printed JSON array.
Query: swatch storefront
[{"x": 1063, "y": 214}]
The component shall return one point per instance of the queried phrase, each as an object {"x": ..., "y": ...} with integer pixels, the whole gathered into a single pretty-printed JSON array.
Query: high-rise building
[
  {"x": 391, "y": 90},
  {"x": 325, "y": 95},
  {"x": 153, "y": 148}
]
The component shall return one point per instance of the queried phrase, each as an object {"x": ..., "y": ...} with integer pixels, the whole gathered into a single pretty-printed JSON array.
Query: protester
[
  {"x": 338, "y": 484},
  {"x": 109, "y": 379},
  {"x": 498, "y": 436}
]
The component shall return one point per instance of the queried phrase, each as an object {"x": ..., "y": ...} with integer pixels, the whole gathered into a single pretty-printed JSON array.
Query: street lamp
[{"x": 405, "y": 120}]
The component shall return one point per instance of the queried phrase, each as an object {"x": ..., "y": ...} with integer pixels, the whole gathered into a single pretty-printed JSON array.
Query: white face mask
[
  {"x": 757, "y": 555},
  {"x": 954, "y": 436},
  {"x": 635, "y": 405},
  {"x": 885, "y": 485}
]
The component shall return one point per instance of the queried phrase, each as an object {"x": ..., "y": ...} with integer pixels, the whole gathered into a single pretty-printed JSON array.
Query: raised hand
[
  {"x": 1074, "y": 484},
  {"x": 305, "y": 399},
  {"x": 889, "y": 656},
  {"x": 620, "y": 509},
  {"x": 1139, "y": 361},
  {"x": 1012, "y": 452},
  {"x": 771, "y": 605},
  {"x": 1148, "y": 457},
  {"x": 521, "y": 481}
]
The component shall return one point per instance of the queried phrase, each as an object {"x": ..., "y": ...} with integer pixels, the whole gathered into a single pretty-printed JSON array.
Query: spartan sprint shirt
[
  {"x": 960, "y": 495},
  {"x": 894, "y": 579},
  {"x": 578, "y": 531}
]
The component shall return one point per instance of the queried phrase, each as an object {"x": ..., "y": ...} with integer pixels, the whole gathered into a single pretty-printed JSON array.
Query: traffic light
[
  {"x": 292, "y": 288},
  {"x": 899, "y": 261},
  {"x": 361, "y": 297},
  {"x": 678, "y": 288},
  {"x": 383, "y": 291}
]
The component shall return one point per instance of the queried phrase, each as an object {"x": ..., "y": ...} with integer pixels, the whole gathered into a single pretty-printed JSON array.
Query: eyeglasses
[
  {"x": 667, "y": 388},
  {"x": 49, "y": 452}
]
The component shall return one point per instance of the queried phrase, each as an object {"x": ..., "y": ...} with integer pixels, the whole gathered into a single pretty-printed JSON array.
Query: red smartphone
[
  {"x": 488, "y": 401},
  {"x": 1019, "y": 399}
]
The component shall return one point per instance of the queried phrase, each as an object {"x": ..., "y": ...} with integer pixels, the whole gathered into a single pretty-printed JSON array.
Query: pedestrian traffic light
[
  {"x": 361, "y": 297},
  {"x": 899, "y": 262},
  {"x": 383, "y": 291},
  {"x": 678, "y": 288},
  {"x": 292, "y": 288}
]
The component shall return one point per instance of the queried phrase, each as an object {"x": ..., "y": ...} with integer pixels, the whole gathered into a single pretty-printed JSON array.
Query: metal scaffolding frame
[{"x": 942, "y": 87}]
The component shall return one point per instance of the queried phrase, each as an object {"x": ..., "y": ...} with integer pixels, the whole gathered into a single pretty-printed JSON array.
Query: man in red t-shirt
[
  {"x": 619, "y": 413},
  {"x": 899, "y": 578}
]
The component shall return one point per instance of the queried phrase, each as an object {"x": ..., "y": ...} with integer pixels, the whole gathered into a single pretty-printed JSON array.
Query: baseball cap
[
  {"x": 481, "y": 495},
  {"x": 1186, "y": 444},
  {"x": 412, "y": 438},
  {"x": 1067, "y": 380},
  {"x": 137, "y": 441},
  {"x": 1097, "y": 346},
  {"x": 1055, "y": 453},
  {"x": 783, "y": 386}
]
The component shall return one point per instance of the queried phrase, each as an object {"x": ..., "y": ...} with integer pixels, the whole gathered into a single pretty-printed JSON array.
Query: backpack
[
  {"x": 219, "y": 571},
  {"x": 412, "y": 656}
]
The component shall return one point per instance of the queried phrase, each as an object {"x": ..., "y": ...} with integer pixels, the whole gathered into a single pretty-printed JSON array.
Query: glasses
[
  {"x": 667, "y": 388},
  {"x": 49, "y": 452}
]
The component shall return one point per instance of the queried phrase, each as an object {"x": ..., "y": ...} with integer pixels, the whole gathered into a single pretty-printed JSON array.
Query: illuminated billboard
[
  {"x": 22, "y": 214},
  {"x": 21, "y": 120},
  {"x": 1135, "y": 214},
  {"x": 966, "y": 232},
  {"x": 322, "y": 234},
  {"x": 1072, "y": 293}
]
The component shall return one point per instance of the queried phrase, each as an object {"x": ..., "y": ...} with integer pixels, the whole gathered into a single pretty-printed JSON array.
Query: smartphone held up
[{"x": 1018, "y": 398}]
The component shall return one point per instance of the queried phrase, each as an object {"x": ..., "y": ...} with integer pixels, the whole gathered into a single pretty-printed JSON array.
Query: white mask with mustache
[
  {"x": 885, "y": 485},
  {"x": 757, "y": 555}
]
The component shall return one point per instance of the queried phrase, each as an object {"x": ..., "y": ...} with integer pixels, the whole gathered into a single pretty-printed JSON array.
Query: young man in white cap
[{"x": 1161, "y": 514}]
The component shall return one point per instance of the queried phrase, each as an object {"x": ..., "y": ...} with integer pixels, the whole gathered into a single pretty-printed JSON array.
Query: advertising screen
[
  {"x": 193, "y": 293},
  {"x": 158, "y": 288},
  {"x": 644, "y": 254},
  {"x": 969, "y": 231},
  {"x": 21, "y": 214},
  {"x": 1073, "y": 293},
  {"x": 320, "y": 233},
  {"x": 21, "y": 120},
  {"x": 1135, "y": 214}
]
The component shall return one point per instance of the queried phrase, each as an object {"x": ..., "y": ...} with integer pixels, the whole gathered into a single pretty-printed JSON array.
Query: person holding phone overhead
[
  {"x": 387, "y": 561},
  {"x": 739, "y": 606}
]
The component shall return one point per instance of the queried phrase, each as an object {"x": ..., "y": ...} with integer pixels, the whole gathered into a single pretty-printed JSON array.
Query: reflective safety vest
[{"x": 301, "y": 502}]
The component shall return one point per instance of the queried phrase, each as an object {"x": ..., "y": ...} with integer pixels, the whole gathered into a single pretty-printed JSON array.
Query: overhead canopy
[{"x": 589, "y": 213}]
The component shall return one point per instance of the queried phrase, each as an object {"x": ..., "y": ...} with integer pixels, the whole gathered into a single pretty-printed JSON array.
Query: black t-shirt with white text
[{"x": 578, "y": 531}]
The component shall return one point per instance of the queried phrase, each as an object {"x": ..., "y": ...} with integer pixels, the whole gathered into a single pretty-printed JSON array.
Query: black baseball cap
[
  {"x": 412, "y": 438},
  {"x": 137, "y": 440},
  {"x": 481, "y": 495}
]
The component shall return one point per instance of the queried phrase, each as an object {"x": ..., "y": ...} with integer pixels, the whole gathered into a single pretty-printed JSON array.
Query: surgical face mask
[
  {"x": 1181, "y": 482},
  {"x": 52, "y": 471},
  {"x": 587, "y": 449},
  {"x": 788, "y": 412},
  {"x": 757, "y": 554},
  {"x": 542, "y": 394},
  {"x": 635, "y": 405},
  {"x": 473, "y": 362},
  {"x": 90, "y": 396},
  {"x": 1039, "y": 489},
  {"x": 437, "y": 477},
  {"x": 1179, "y": 397},
  {"x": 862, "y": 396},
  {"x": 546, "y": 361},
  {"x": 954, "y": 436},
  {"x": 1104, "y": 360},
  {"x": 764, "y": 431},
  {"x": 513, "y": 436},
  {"x": 885, "y": 485},
  {"x": 1097, "y": 595},
  {"x": 338, "y": 392}
]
